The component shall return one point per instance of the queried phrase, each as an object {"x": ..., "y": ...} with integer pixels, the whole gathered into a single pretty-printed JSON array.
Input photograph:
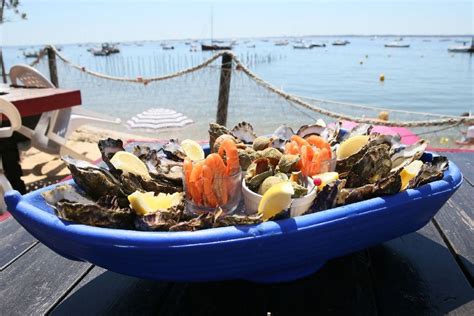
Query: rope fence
[{"x": 311, "y": 104}]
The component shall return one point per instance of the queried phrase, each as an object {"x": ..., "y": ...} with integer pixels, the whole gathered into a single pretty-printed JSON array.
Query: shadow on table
[{"x": 386, "y": 279}]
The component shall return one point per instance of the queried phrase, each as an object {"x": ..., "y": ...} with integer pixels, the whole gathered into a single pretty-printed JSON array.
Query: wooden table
[
  {"x": 31, "y": 103},
  {"x": 429, "y": 272},
  {"x": 35, "y": 101}
]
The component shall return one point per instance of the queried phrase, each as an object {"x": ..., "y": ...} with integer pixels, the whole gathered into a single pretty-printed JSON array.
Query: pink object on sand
[{"x": 407, "y": 136}]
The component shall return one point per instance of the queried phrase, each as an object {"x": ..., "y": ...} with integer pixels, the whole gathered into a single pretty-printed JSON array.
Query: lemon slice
[
  {"x": 146, "y": 203},
  {"x": 409, "y": 172},
  {"x": 192, "y": 149},
  {"x": 128, "y": 162},
  {"x": 275, "y": 200},
  {"x": 351, "y": 146},
  {"x": 326, "y": 178}
]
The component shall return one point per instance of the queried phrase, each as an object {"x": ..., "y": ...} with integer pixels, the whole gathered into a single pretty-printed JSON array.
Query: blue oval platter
[{"x": 273, "y": 251}]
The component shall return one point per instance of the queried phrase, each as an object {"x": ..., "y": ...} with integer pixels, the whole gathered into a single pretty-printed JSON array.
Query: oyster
[
  {"x": 430, "y": 171},
  {"x": 203, "y": 221},
  {"x": 308, "y": 130},
  {"x": 404, "y": 155},
  {"x": 244, "y": 132},
  {"x": 108, "y": 148},
  {"x": 95, "y": 181},
  {"x": 343, "y": 166},
  {"x": 361, "y": 129},
  {"x": 386, "y": 186},
  {"x": 373, "y": 166},
  {"x": 327, "y": 197},
  {"x": 173, "y": 150},
  {"x": 72, "y": 205},
  {"x": 221, "y": 219}
]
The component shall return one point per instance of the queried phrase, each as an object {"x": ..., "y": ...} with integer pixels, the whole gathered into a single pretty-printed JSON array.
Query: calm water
[{"x": 424, "y": 77}]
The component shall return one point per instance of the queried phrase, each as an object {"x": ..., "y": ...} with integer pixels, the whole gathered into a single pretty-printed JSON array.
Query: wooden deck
[{"x": 428, "y": 272}]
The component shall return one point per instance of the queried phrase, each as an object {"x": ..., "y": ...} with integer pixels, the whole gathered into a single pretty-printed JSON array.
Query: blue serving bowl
[{"x": 273, "y": 251}]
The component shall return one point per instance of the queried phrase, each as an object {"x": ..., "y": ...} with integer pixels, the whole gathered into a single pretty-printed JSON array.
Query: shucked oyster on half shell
[{"x": 72, "y": 205}]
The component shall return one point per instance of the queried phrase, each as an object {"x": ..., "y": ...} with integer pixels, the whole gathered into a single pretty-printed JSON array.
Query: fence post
[
  {"x": 224, "y": 89},
  {"x": 53, "y": 71}
]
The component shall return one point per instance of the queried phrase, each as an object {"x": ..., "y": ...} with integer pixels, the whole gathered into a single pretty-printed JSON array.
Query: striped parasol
[{"x": 158, "y": 118}]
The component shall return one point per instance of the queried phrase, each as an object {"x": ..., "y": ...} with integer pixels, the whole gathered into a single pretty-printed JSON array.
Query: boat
[
  {"x": 207, "y": 47},
  {"x": 31, "y": 54},
  {"x": 167, "y": 47},
  {"x": 281, "y": 43},
  {"x": 99, "y": 52},
  {"x": 251, "y": 46},
  {"x": 340, "y": 43},
  {"x": 462, "y": 49},
  {"x": 302, "y": 46},
  {"x": 111, "y": 49},
  {"x": 214, "y": 45},
  {"x": 397, "y": 45},
  {"x": 312, "y": 45}
]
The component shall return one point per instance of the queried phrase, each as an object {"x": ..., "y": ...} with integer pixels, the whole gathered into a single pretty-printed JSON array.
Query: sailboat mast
[{"x": 212, "y": 25}]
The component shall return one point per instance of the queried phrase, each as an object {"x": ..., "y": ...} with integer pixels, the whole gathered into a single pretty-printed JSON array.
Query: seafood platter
[{"x": 266, "y": 208}]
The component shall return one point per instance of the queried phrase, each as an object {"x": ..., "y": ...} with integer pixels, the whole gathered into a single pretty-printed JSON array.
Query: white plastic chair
[
  {"x": 54, "y": 128},
  {"x": 11, "y": 113}
]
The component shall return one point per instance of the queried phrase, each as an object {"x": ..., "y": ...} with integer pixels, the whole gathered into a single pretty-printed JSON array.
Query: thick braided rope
[
  {"x": 451, "y": 120},
  {"x": 297, "y": 100},
  {"x": 183, "y": 72}
]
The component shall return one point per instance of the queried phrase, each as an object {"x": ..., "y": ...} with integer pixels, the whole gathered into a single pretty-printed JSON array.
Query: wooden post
[
  {"x": 4, "y": 75},
  {"x": 224, "y": 89},
  {"x": 53, "y": 71}
]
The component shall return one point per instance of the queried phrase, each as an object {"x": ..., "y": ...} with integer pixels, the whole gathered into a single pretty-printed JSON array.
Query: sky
[{"x": 74, "y": 21}]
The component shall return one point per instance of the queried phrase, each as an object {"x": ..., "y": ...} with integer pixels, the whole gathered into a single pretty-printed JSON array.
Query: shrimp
[
  {"x": 321, "y": 144},
  {"x": 219, "y": 184},
  {"x": 187, "y": 168},
  {"x": 208, "y": 179},
  {"x": 232, "y": 156},
  {"x": 194, "y": 182},
  {"x": 291, "y": 148},
  {"x": 299, "y": 140}
]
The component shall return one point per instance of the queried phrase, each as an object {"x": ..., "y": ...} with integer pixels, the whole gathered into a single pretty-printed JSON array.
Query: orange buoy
[{"x": 382, "y": 77}]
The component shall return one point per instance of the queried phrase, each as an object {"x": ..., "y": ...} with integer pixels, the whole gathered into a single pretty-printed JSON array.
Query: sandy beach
[{"x": 40, "y": 169}]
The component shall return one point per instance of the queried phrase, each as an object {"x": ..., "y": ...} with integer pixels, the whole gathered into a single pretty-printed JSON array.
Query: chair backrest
[
  {"x": 29, "y": 77},
  {"x": 11, "y": 112}
]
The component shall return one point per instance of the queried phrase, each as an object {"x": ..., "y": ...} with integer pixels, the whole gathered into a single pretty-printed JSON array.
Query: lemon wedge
[
  {"x": 128, "y": 162},
  {"x": 275, "y": 200},
  {"x": 146, "y": 203},
  {"x": 409, "y": 172},
  {"x": 192, "y": 149},
  {"x": 351, "y": 146},
  {"x": 326, "y": 178}
]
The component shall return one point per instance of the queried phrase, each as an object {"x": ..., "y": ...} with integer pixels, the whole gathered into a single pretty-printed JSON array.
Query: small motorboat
[
  {"x": 31, "y": 54},
  {"x": 340, "y": 43},
  {"x": 251, "y": 46},
  {"x": 99, "y": 52},
  {"x": 167, "y": 47},
  {"x": 312, "y": 45},
  {"x": 397, "y": 45},
  {"x": 281, "y": 43},
  {"x": 302, "y": 46}
]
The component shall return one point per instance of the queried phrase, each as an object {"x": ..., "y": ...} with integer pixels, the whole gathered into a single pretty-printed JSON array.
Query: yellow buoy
[{"x": 382, "y": 77}]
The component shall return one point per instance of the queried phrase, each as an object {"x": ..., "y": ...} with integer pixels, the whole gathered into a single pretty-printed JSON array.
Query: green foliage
[{"x": 10, "y": 6}]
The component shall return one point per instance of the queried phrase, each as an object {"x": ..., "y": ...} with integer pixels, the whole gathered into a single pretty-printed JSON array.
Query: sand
[{"x": 41, "y": 169}]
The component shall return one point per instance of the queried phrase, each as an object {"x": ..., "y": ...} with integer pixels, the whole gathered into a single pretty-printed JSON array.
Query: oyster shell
[
  {"x": 203, "y": 221},
  {"x": 173, "y": 150},
  {"x": 327, "y": 197},
  {"x": 95, "y": 181},
  {"x": 221, "y": 219},
  {"x": 72, "y": 205},
  {"x": 244, "y": 132},
  {"x": 373, "y": 166},
  {"x": 283, "y": 132},
  {"x": 343, "y": 166},
  {"x": 308, "y": 130},
  {"x": 430, "y": 171},
  {"x": 108, "y": 148},
  {"x": 361, "y": 129},
  {"x": 404, "y": 155}
]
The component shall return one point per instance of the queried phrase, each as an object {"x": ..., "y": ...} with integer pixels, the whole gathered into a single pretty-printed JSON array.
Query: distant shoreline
[{"x": 257, "y": 38}]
